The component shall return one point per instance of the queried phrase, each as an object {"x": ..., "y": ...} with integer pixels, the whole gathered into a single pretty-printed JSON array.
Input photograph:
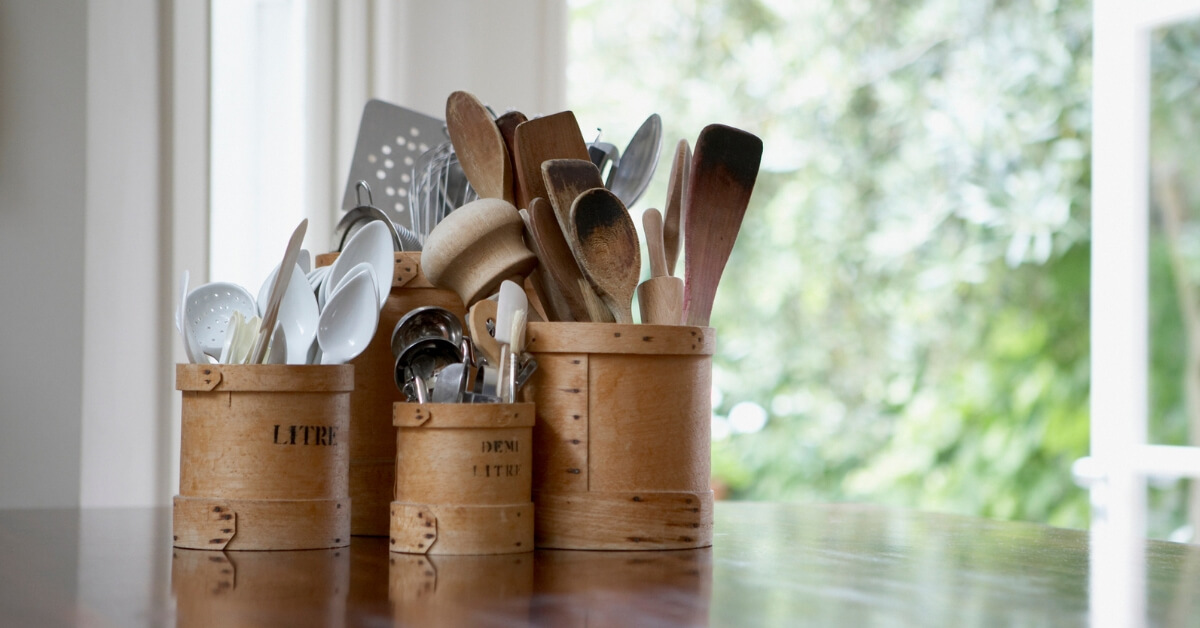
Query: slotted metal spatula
[{"x": 390, "y": 139}]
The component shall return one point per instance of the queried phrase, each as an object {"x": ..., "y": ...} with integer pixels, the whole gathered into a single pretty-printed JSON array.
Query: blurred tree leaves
[{"x": 908, "y": 298}]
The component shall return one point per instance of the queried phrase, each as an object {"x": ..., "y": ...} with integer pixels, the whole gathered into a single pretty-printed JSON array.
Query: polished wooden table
[{"x": 770, "y": 565}]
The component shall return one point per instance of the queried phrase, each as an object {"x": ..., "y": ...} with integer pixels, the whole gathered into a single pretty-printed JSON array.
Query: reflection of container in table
[
  {"x": 460, "y": 590},
  {"x": 372, "y": 438},
  {"x": 297, "y": 588},
  {"x": 463, "y": 478},
  {"x": 263, "y": 457},
  {"x": 622, "y": 442}
]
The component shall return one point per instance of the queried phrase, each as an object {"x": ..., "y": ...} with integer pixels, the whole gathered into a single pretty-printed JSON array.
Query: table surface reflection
[{"x": 771, "y": 564}]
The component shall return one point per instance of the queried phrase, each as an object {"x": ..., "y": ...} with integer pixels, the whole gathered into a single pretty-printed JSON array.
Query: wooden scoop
[
  {"x": 608, "y": 249},
  {"x": 676, "y": 185},
  {"x": 556, "y": 136},
  {"x": 660, "y": 298},
  {"x": 724, "y": 168},
  {"x": 479, "y": 145},
  {"x": 565, "y": 180}
]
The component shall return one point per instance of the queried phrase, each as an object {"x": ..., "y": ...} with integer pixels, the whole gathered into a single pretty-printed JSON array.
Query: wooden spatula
[
  {"x": 556, "y": 136},
  {"x": 608, "y": 249},
  {"x": 724, "y": 168},
  {"x": 479, "y": 146},
  {"x": 676, "y": 186},
  {"x": 565, "y": 180}
]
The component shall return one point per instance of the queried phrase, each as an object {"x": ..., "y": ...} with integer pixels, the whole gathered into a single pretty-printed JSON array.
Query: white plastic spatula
[{"x": 512, "y": 305}]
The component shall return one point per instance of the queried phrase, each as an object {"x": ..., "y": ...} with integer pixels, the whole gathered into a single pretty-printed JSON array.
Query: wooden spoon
[
  {"x": 565, "y": 180},
  {"x": 608, "y": 249},
  {"x": 479, "y": 145},
  {"x": 724, "y": 168},
  {"x": 556, "y": 257},
  {"x": 676, "y": 185},
  {"x": 507, "y": 123},
  {"x": 556, "y": 136},
  {"x": 660, "y": 298}
]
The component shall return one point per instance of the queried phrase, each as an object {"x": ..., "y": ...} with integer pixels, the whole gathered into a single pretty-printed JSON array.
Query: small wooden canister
[
  {"x": 463, "y": 478},
  {"x": 622, "y": 441},
  {"x": 372, "y": 438},
  {"x": 263, "y": 457}
]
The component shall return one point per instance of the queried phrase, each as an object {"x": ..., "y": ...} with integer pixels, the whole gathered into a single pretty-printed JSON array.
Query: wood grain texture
[
  {"x": 607, "y": 249},
  {"x": 261, "y": 524},
  {"x": 507, "y": 123},
  {"x": 556, "y": 136},
  {"x": 673, "y": 209},
  {"x": 724, "y": 168},
  {"x": 560, "y": 435},
  {"x": 646, "y": 520},
  {"x": 660, "y": 298},
  {"x": 557, "y": 258},
  {"x": 479, "y": 146},
  {"x": 565, "y": 180},
  {"x": 476, "y": 247},
  {"x": 614, "y": 338},
  {"x": 461, "y": 529}
]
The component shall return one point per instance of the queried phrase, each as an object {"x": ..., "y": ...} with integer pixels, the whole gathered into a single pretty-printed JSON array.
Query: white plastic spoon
[
  {"x": 371, "y": 244},
  {"x": 349, "y": 320},
  {"x": 191, "y": 348},
  {"x": 298, "y": 312},
  {"x": 277, "y": 350}
]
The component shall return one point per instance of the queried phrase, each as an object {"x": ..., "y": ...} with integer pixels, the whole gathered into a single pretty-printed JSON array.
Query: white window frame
[{"x": 1121, "y": 458}]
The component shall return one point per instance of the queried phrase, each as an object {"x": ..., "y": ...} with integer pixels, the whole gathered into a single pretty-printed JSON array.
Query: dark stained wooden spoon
[
  {"x": 565, "y": 180},
  {"x": 507, "y": 123},
  {"x": 556, "y": 258},
  {"x": 724, "y": 168},
  {"x": 608, "y": 250}
]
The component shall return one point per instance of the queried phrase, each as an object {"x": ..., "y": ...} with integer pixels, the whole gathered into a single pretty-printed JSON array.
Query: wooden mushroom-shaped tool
[
  {"x": 476, "y": 247},
  {"x": 607, "y": 249},
  {"x": 660, "y": 297}
]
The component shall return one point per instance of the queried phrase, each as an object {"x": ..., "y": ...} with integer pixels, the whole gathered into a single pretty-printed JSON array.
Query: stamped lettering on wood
[{"x": 324, "y": 435}]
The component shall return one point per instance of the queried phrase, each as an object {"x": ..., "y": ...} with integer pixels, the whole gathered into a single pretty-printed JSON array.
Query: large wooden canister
[
  {"x": 372, "y": 439},
  {"x": 300, "y": 588},
  {"x": 622, "y": 440},
  {"x": 263, "y": 457},
  {"x": 463, "y": 478}
]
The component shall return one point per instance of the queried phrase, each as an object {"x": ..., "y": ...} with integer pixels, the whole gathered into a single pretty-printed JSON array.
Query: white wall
[{"x": 42, "y": 194}]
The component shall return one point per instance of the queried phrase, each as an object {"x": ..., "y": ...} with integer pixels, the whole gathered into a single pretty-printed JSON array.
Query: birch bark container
[
  {"x": 372, "y": 437},
  {"x": 463, "y": 478},
  {"x": 622, "y": 440},
  {"x": 263, "y": 457}
]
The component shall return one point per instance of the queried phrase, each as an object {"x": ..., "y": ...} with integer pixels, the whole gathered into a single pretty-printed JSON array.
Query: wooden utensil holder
[
  {"x": 263, "y": 457},
  {"x": 372, "y": 437},
  {"x": 622, "y": 440},
  {"x": 463, "y": 478}
]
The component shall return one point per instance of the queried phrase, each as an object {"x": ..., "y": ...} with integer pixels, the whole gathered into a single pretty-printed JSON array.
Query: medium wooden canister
[
  {"x": 263, "y": 457},
  {"x": 463, "y": 478},
  {"x": 372, "y": 438},
  {"x": 622, "y": 440}
]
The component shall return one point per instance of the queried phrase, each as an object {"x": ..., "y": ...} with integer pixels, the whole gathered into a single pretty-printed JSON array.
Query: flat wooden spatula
[
  {"x": 556, "y": 136},
  {"x": 724, "y": 168}
]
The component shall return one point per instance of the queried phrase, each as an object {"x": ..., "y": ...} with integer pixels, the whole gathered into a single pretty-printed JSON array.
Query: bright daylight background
[{"x": 904, "y": 319}]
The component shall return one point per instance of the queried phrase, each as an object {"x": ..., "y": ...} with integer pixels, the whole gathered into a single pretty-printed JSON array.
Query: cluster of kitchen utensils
[
  {"x": 436, "y": 362},
  {"x": 584, "y": 243},
  {"x": 326, "y": 315},
  {"x": 415, "y": 167}
]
